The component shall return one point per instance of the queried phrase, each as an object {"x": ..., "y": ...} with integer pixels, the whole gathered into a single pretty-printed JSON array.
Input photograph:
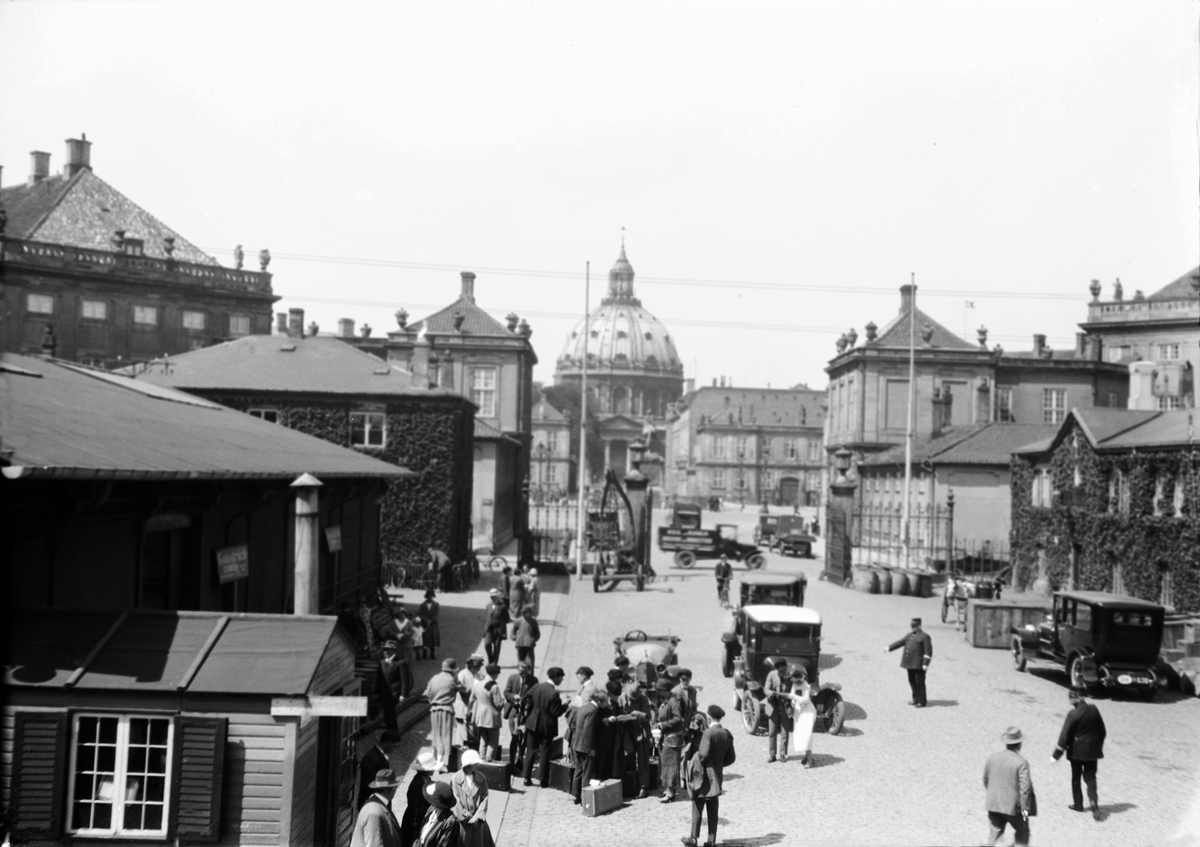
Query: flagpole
[
  {"x": 581, "y": 516},
  {"x": 908, "y": 435}
]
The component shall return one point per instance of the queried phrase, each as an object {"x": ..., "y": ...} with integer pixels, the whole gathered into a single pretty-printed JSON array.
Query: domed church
[{"x": 633, "y": 370}]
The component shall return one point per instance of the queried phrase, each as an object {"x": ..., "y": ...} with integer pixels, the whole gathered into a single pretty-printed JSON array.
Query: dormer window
[
  {"x": 622, "y": 334},
  {"x": 133, "y": 247},
  {"x": 649, "y": 337}
]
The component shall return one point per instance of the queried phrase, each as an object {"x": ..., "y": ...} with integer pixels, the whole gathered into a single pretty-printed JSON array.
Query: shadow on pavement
[
  {"x": 755, "y": 841},
  {"x": 933, "y": 703},
  {"x": 829, "y": 660},
  {"x": 1115, "y": 809},
  {"x": 850, "y": 732},
  {"x": 855, "y": 712},
  {"x": 823, "y": 760}
]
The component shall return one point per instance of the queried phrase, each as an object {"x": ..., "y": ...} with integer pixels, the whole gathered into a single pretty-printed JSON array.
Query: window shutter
[
  {"x": 39, "y": 775},
  {"x": 198, "y": 769}
]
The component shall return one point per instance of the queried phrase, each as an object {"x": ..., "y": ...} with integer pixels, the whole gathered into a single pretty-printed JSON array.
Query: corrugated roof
[
  {"x": 475, "y": 321},
  {"x": 70, "y": 423},
  {"x": 977, "y": 444},
  {"x": 266, "y": 655},
  {"x": 1180, "y": 289},
  {"x": 316, "y": 364},
  {"x": 896, "y": 333},
  {"x": 85, "y": 211}
]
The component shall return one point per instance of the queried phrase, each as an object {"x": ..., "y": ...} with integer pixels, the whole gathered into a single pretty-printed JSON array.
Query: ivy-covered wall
[
  {"x": 1101, "y": 529},
  {"x": 432, "y": 437}
]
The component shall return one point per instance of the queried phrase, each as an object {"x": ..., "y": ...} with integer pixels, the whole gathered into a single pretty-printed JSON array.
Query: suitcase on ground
[
  {"x": 560, "y": 775},
  {"x": 497, "y": 774},
  {"x": 602, "y": 799},
  {"x": 556, "y": 748}
]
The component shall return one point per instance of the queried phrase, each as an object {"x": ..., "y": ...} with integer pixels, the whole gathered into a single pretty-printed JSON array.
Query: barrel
[
  {"x": 866, "y": 579},
  {"x": 885, "y": 581},
  {"x": 900, "y": 583}
]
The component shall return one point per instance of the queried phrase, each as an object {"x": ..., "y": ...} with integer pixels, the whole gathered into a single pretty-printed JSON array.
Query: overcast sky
[{"x": 780, "y": 168}]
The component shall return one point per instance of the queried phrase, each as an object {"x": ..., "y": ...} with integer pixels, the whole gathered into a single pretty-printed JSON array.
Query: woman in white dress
[{"x": 804, "y": 714}]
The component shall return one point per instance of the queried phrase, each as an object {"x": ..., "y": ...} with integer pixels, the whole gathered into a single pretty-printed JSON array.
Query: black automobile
[{"x": 1104, "y": 641}]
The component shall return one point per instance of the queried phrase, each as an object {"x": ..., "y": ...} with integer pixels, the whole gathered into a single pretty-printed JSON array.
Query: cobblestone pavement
[{"x": 897, "y": 775}]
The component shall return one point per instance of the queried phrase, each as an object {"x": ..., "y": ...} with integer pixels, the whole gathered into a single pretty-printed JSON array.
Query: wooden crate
[
  {"x": 602, "y": 799},
  {"x": 990, "y": 622}
]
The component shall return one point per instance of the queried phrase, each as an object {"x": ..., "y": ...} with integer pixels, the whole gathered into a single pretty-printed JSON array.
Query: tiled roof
[
  {"x": 977, "y": 444},
  {"x": 475, "y": 321},
  {"x": 1102, "y": 424},
  {"x": 1180, "y": 289},
  {"x": 1125, "y": 429},
  {"x": 487, "y": 431},
  {"x": 1174, "y": 428},
  {"x": 84, "y": 211},
  {"x": 544, "y": 412},
  {"x": 67, "y": 422},
  {"x": 896, "y": 333},
  {"x": 757, "y": 406},
  {"x": 315, "y": 364}
]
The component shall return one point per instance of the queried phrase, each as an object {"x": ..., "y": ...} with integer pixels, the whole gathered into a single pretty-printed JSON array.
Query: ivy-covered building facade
[{"x": 1112, "y": 503}]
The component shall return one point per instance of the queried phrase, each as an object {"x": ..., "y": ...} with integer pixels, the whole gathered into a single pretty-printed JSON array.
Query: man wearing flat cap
[
  {"x": 376, "y": 826},
  {"x": 1082, "y": 739},
  {"x": 918, "y": 651},
  {"x": 1010, "y": 799},
  {"x": 706, "y": 775},
  {"x": 496, "y": 627}
]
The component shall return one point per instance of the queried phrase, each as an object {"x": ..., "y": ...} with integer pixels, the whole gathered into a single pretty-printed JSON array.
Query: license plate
[{"x": 1125, "y": 679}]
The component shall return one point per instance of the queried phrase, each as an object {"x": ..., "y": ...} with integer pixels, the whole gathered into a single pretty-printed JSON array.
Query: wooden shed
[{"x": 161, "y": 727}]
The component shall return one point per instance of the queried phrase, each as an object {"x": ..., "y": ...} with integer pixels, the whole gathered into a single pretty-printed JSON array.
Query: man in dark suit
[
  {"x": 1009, "y": 790},
  {"x": 706, "y": 773},
  {"x": 515, "y": 688},
  {"x": 1082, "y": 739},
  {"x": 544, "y": 706},
  {"x": 778, "y": 706},
  {"x": 918, "y": 651},
  {"x": 585, "y": 735}
]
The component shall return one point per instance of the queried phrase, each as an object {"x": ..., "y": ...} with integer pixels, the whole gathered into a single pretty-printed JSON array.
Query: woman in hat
[
  {"x": 674, "y": 729},
  {"x": 417, "y": 806},
  {"x": 440, "y": 828},
  {"x": 428, "y": 612},
  {"x": 471, "y": 803},
  {"x": 804, "y": 713}
]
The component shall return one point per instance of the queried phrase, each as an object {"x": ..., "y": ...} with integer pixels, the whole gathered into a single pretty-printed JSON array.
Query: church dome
[{"x": 621, "y": 334}]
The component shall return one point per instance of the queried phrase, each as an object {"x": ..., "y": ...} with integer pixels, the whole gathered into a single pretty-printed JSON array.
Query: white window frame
[
  {"x": 120, "y": 780},
  {"x": 235, "y": 324},
  {"x": 1167, "y": 352},
  {"x": 814, "y": 451},
  {"x": 741, "y": 446},
  {"x": 791, "y": 451},
  {"x": 485, "y": 381},
  {"x": 1167, "y": 402},
  {"x": 1004, "y": 410},
  {"x": 268, "y": 415},
  {"x": 39, "y": 304},
  {"x": 140, "y": 313},
  {"x": 718, "y": 446},
  {"x": 742, "y": 481},
  {"x": 552, "y": 442},
  {"x": 366, "y": 427},
  {"x": 192, "y": 319},
  {"x": 718, "y": 478},
  {"x": 88, "y": 310},
  {"x": 1054, "y": 405}
]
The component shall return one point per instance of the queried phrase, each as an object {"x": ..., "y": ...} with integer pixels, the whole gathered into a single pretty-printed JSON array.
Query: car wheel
[
  {"x": 837, "y": 714},
  {"x": 755, "y": 561},
  {"x": 1075, "y": 674},
  {"x": 750, "y": 714},
  {"x": 1018, "y": 652},
  {"x": 685, "y": 558}
]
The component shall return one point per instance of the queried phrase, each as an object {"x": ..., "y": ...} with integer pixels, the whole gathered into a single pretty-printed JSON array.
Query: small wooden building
[{"x": 163, "y": 727}]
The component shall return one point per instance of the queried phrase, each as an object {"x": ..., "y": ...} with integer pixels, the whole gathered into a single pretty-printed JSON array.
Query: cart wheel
[
  {"x": 751, "y": 713},
  {"x": 685, "y": 558},
  {"x": 837, "y": 714},
  {"x": 755, "y": 561},
  {"x": 1018, "y": 653}
]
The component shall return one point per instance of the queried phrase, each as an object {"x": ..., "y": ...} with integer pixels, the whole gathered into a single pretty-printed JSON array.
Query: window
[
  {"x": 812, "y": 482},
  {"x": 145, "y": 315},
  {"x": 1004, "y": 409},
  {"x": 368, "y": 429},
  {"x": 1167, "y": 352},
  {"x": 483, "y": 391},
  {"x": 1116, "y": 354},
  {"x": 1118, "y": 587},
  {"x": 1167, "y": 402},
  {"x": 1042, "y": 489},
  {"x": 718, "y": 478},
  {"x": 552, "y": 441},
  {"x": 814, "y": 451},
  {"x": 718, "y": 447},
  {"x": 41, "y": 304},
  {"x": 193, "y": 320},
  {"x": 120, "y": 775},
  {"x": 1083, "y": 617},
  {"x": 1054, "y": 405},
  {"x": 239, "y": 325},
  {"x": 742, "y": 482},
  {"x": 95, "y": 310},
  {"x": 268, "y": 415},
  {"x": 1177, "y": 500},
  {"x": 790, "y": 449},
  {"x": 741, "y": 445}
]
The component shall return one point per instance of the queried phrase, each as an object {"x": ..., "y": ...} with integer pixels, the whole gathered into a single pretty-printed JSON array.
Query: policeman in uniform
[{"x": 918, "y": 651}]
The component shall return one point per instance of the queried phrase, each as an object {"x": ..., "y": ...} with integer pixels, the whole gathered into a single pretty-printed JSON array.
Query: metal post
[
  {"x": 581, "y": 484},
  {"x": 307, "y": 570}
]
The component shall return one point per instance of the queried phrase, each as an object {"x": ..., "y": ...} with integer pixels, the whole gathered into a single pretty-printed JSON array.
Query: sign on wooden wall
[
  {"x": 333, "y": 537},
  {"x": 233, "y": 563}
]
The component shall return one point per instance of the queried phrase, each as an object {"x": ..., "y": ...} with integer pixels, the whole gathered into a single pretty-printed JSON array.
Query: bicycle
[
  {"x": 493, "y": 561},
  {"x": 723, "y": 593},
  {"x": 416, "y": 577}
]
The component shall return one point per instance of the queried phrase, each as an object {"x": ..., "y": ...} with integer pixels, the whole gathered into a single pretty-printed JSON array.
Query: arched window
[{"x": 620, "y": 401}]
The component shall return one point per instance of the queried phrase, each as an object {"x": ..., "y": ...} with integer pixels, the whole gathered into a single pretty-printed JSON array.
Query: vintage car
[
  {"x": 791, "y": 539},
  {"x": 759, "y": 588},
  {"x": 764, "y": 533},
  {"x": 688, "y": 545},
  {"x": 762, "y": 634},
  {"x": 639, "y": 647},
  {"x": 1105, "y": 641}
]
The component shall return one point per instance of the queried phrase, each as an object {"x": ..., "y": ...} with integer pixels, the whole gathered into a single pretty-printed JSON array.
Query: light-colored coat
[
  {"x": 1009, "y": 786},
  {"x": 376, "y": 826},
  {"x": 486, "y": 704}
]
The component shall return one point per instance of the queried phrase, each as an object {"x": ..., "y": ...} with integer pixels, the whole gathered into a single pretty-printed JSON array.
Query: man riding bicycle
[{"x": 724, "y": 572}]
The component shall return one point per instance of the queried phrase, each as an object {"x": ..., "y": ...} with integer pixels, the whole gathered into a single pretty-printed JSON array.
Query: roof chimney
[
  {"x": 1081, "y": 344},
  {"x": 1039, "y": 344},
  {"x": 468, "y": 286},
  {"x": 79, "y": 155},
  {"x": 906, "y": 297},
  {"x": 39, "y": 166},
  {"x": 295, "y": 323},
  {"x": 346, "y": 327},
  {"x": 281, "y": 323}
]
